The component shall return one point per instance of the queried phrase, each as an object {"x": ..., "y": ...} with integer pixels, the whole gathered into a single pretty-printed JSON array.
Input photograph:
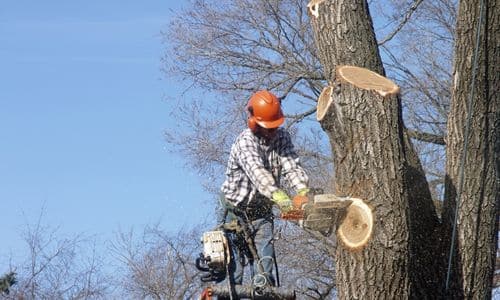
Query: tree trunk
[
  {"x": 374, "y": 161},
  {"x": 477, "y": 223}
]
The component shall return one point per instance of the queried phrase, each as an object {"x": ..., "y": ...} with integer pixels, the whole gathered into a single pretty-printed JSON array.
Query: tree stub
[
  {"x": 324, "y": 101},
  {"x": 356, "y": 229},
  {"x": 313, "y": 7},
  {"x": 367, "y": 80}
]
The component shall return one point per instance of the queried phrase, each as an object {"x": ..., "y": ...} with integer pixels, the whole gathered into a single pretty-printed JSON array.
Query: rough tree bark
[
  {"x": 375, "y": 161},
  {"x": 477, "y": 222}
]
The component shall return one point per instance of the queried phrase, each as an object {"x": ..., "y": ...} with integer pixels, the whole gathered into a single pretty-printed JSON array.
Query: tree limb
[
  {"x": 426, "y": 137},
  {"x": 406, "y": 17}
]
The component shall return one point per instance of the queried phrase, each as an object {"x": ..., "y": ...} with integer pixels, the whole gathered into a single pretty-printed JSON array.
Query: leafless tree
[
  {"x": 305, "y": 262},
  {"x": 156, "y": 265},
  {"x": 58, "y": 267},
  {"x": 240, "y": 46}
]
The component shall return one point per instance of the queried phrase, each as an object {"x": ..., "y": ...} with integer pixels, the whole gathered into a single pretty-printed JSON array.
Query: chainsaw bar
[{"x": 324, "y": 212}]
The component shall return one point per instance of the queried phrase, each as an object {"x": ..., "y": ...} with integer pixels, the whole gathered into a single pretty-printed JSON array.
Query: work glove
[
  {"x": 303, "y": 192},
  {"x": 282, "y": 200}
]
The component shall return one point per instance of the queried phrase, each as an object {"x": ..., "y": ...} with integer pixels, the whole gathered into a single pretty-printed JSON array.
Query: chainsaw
[{"x": 320, "y": 214}]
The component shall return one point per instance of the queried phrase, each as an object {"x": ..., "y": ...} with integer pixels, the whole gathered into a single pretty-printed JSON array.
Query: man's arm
[{"x": 291, "y": 170}]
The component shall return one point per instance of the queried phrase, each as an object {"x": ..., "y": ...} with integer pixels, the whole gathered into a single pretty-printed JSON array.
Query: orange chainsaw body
[{"x": 297, "y": 213}]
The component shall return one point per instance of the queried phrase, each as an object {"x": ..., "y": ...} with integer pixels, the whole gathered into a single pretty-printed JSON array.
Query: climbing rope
[{"x": 465, "y": 147}]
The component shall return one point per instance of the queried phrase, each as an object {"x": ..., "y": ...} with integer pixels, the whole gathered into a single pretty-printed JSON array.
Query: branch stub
[
  {"x": 367, "y": 80},
  {"x": 324, "y": 101},
  {"x": 313, "y": 7},
  {"x": 356, "y": 229}
]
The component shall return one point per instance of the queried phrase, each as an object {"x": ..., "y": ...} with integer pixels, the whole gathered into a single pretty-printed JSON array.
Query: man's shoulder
[
  {"x": 245, "y": 136},
  {"x": 242, "y": 140}
]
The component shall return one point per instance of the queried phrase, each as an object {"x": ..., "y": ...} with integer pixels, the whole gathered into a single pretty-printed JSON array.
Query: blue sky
[{"x": 83, "y": 108}]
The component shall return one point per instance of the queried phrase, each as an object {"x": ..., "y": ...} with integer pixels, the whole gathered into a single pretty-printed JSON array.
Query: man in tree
[{"x": 261, "y": 158}]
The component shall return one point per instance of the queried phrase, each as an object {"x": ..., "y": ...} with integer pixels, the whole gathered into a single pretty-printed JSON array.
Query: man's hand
[{"x": 283, "y": 201}]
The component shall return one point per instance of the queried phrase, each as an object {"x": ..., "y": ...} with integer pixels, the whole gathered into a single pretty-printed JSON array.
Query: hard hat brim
[{"x": 271, "y": 124}]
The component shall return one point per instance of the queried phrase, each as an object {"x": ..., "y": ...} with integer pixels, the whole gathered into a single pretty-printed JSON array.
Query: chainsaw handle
[
  {"x": 299, "y": 202},
  {"x": 201, "y": 265},
  {"x": 297, "y": 213}
]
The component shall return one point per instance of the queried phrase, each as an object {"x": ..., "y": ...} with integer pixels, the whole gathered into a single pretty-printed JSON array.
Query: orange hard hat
[{"x": 265, "y": 110}]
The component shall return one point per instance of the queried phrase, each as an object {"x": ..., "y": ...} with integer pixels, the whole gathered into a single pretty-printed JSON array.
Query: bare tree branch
[
  {"x": 413, "y": 7},
  {"x": 426, "y": 137}
]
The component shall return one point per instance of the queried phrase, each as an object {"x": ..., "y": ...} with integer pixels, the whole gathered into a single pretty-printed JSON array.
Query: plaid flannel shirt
[{"x": 257, "y": 168}]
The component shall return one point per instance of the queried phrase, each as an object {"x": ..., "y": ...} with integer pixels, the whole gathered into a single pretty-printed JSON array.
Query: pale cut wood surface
[
  {"x": 367, "y": 80},
  {"x": 357, "y": 226},
  {"x": 324, "y": 102}
]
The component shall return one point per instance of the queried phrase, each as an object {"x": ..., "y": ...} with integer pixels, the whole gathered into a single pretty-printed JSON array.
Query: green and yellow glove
[
  {"x": 303, "y": 192},
  {"x": 282, "y": 200}
]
